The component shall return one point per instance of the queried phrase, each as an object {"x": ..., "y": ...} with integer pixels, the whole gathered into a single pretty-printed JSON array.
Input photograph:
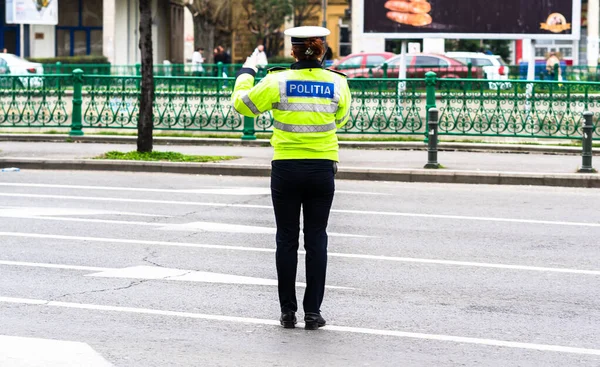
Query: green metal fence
[
  {"x": 28, "y": 101},
  {"x": 468, "y": 107}
]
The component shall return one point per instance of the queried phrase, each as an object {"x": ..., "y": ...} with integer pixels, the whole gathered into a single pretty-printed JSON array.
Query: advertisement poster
[
  {"x": 32, "y": 12},
  {"x": 510, "y": 19}
]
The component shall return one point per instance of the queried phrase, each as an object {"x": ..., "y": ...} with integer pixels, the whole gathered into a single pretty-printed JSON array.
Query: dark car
[{"x": 417, "y": 65}]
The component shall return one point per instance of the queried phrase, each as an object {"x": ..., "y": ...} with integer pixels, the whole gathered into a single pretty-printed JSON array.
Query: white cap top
[{"x": 307, "y": 32}]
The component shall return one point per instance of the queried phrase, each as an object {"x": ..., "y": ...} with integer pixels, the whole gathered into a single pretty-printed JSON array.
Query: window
[
  {"x": 97, "y": 43},
  {"x": 345, "y": 40},
  {"x": 63, "y": 43},
  {"x": 396, "y": 60},
  {"x": 482, "y": 62},
  {"x": 92, "y": 13},
  {"x": 353, "y": 62},
  {"x": 374, "y": 60},
  {"x": 79, "y": 31},
  {"x": 68, "y": 13},
  {"x": 429, "y": 61}
]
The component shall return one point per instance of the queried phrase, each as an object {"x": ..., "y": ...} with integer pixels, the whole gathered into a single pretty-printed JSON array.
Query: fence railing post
[
  {"x": 586, "y": 144},
  {"x": 469, "y": 70},
  {"x": 556, "y": 71},
  {"x": 430, "y": 101},
  {"x": 385, "y": 70},
  {"x": 249, "y": 132},
  {"x": 58, "y": 67},
  {"x": 432, "y": 130},
  {"x": 77, "y": 113}
]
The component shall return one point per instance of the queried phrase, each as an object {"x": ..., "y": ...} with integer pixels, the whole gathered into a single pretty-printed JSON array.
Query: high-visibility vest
[{"x": 308, "y": 105}]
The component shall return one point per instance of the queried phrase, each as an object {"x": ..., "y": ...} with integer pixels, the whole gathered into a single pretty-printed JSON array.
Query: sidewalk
[{"x": 358, "y": 164}]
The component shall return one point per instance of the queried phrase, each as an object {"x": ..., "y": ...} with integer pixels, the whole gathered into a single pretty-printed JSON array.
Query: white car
[
  {"x": 14, "y": 65},
  {"x": 493, "y": 66}
]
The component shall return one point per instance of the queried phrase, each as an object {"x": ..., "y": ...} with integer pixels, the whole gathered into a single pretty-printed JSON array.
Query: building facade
[{"x": 99, "y": 27}]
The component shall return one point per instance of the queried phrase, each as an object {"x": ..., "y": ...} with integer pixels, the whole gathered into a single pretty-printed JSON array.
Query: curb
[
  {"x": 344, "y": 173},
  {"x": 443, "y": 146}
]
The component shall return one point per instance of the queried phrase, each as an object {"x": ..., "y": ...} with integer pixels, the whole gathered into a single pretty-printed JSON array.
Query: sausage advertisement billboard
[{"x": 475, "y": 19}]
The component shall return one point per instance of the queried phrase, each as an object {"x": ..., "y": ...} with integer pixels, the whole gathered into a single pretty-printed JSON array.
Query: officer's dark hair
[{"x": 312, "y": 49}]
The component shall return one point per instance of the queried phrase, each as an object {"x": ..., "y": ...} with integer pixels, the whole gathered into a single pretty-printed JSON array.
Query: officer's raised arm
[{"x": 248, "y": 99}]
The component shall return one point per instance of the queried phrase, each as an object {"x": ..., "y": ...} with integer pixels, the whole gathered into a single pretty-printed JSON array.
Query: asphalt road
[{"x": 177, "y": 270}]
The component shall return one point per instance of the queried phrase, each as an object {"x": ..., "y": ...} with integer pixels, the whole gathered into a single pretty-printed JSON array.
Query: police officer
[{"x": 309, "y": 104}]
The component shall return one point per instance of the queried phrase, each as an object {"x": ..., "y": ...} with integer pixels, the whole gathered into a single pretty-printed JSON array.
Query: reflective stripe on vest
[
  {"x": 290, "y": 128},
  {"x": 251, "y": 106},
  {"x": 306, "y": 107}
]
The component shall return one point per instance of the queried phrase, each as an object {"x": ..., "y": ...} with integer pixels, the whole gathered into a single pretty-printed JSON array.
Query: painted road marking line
[
  {"x": 191, "y": 227},
  {"x": 32, "y": 352},
  {"x": 236, "y": 228},
  {"x": 11, "y": 211},
  {"x": 235, "y": 191},
  {"x": 54, "y": 266},
  {"x": 340, "y": 211},
  {"x": 343, "y": 329},
  {"x": 331, "y": 254},
  {"x": 160, "y": 273}
]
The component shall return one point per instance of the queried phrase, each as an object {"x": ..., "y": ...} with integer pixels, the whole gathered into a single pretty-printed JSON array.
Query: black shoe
[
  {"x": 313, "y": 321},
  {"x": 288, "y": 320}
]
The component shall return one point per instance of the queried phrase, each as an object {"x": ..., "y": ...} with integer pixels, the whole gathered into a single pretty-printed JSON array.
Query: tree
[
  {"x": 146, "y": 115},
  {"x": 265, "y": 19},
  {"x": 305, "y": 10},
  {"x": 212, "y": 21}
]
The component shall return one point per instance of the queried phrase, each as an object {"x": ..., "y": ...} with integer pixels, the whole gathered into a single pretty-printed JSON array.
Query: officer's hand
[{"x": 251, "y": 62}]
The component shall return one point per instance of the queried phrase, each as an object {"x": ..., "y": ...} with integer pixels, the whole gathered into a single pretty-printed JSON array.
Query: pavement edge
[{"x": 358, "y": 174}]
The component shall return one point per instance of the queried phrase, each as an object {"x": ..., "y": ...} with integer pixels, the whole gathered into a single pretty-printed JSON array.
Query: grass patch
[{"x": 162, "y": 157}]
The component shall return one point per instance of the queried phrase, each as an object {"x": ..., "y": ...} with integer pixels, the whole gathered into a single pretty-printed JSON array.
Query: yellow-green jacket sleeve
[
  {"x": 343, "y": 113},
  {"x": 252, "y": 100}
]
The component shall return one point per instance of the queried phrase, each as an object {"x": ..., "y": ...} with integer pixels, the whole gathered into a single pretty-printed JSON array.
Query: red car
[
  {"x": 358, "y": 63},
  {"x": 417, "y": 65}
]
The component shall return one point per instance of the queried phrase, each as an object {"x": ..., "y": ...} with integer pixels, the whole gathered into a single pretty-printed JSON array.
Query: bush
[{"x": 71, "y": 60}]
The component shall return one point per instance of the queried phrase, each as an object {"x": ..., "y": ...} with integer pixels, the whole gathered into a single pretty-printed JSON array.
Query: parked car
[
  {"x": 493, "y": 66},
  {"x": 417, "y": 65},
  {"x": 357, "y": 63},
  {"x": 14, "y": 65}
]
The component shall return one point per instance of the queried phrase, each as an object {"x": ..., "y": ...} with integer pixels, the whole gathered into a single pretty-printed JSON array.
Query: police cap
[{"x": 300, "y": 34}]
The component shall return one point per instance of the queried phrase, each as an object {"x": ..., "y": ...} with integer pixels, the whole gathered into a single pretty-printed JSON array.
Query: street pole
[
  {"x": 593, "y": 29},
  {"x": 22, "y": 40},
  {"x": 324, "y": 6}
]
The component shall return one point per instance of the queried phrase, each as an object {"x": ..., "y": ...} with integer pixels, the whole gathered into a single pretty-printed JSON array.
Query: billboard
[
  {"x": 474, "y": 19},
  {"x": 32, "y": 12}
]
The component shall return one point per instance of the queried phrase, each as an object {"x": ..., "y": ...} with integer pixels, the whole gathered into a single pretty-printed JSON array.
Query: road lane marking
[
  {"x": 339, "y": 211},
  {"x": 190, "y": 226},
  {"x": 20, "y": 351},
  {"x": 342, "y": 329},
  {"x": 160, "y": 273},
  {"x": 235, "y": 191},
  {"x": 330, "y": 254},
  {"x": 12, "y": 211},
  {"x": 54, "y": 266},
  {"x": 236, "y": 228}
]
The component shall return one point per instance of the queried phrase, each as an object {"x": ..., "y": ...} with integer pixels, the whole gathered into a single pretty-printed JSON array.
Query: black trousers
[{"x": 310, "y": 184}]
